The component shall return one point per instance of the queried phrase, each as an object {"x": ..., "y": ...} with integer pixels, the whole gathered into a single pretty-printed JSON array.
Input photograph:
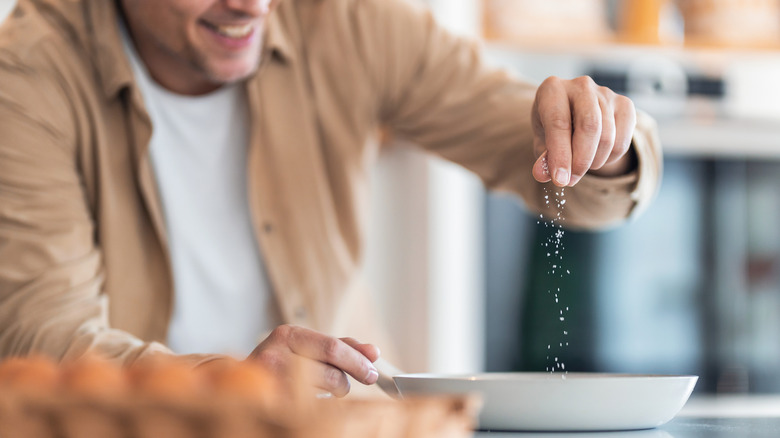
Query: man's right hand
[{"x": 325, "y": 360}]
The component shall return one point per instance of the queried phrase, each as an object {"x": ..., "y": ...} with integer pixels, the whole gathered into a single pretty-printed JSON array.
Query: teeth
[{"x": 234, "y": 31}]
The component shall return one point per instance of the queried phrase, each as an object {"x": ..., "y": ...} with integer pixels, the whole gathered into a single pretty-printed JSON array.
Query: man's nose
[{"x": 252, "y": 8}]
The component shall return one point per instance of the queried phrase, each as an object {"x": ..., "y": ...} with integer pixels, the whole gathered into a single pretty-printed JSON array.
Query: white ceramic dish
[{"x": 562, "y": 402}]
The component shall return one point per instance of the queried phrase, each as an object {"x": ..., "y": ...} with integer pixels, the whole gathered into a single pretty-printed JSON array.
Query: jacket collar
[{"x": 113, "y": 67}]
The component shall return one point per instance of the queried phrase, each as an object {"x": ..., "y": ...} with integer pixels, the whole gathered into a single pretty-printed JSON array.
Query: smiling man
[
  {"x": 188, "y": 176},
  {"x": 193, "y": 47}
]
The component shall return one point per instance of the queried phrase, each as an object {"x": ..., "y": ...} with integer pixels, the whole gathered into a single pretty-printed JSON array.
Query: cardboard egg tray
[{"x": 63, "y": 415}]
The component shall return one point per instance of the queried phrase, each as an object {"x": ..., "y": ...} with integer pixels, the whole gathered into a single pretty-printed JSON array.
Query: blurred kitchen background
[{"x": 692, "y": 286}]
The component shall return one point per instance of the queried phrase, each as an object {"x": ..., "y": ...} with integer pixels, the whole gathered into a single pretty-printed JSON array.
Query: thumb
[{"x": 541, "y": 169}]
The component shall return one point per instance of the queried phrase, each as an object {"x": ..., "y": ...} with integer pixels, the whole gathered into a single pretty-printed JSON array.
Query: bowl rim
[{"x": 542, "y": 375}]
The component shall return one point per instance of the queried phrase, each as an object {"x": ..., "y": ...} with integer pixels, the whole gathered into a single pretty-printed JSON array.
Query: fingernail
[
  {"x": 373, "y": 376},
  {"x": 574, "y": 180},
  {"x": 562, "y": 176}
]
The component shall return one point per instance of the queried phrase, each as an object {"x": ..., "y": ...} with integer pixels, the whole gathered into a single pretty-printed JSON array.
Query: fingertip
[
  {"x": 541, "y": 177},
  {"x": 541, "y": 169},
  {"x": 562, "y": 177},
  {"x": 371, "y": 352},
  {"x": 373, "y": 376}
]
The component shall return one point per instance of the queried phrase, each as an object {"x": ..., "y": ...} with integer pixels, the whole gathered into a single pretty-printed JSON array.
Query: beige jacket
[{"x": 83, "y": 259}]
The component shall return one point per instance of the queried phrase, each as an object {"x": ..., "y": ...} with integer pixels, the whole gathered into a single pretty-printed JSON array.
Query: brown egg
[
  {"x": 245, "y": 381},
  {"x": 94, "y": 377},
  {"x": 214, "y": 368},
  {"x": 34, "y": 373},
  {"x": 167, "y": 378}
]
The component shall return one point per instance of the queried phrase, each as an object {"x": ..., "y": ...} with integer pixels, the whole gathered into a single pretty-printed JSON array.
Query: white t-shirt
[{"x": 222, "y": 299}]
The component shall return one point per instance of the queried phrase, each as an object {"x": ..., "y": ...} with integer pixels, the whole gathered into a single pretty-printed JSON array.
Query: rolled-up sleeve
[{"x": 438, "y": 92}]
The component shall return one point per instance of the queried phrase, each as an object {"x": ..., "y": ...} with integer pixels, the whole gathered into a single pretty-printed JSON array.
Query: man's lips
[{"x": 235, "y": 31}]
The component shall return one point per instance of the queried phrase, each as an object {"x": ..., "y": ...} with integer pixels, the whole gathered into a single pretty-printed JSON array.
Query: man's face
[{"x": 195, "y": 46}]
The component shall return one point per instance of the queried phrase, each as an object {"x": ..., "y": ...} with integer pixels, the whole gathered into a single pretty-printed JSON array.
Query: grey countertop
[{"x": 702, "y": 417}]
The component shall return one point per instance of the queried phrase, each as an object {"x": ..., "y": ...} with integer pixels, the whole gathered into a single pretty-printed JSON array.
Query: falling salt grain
[{"x": 554, "y": 266}]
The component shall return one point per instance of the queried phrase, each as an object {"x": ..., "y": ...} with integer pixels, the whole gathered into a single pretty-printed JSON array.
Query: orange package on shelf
[{"x": 639, "y": 21}]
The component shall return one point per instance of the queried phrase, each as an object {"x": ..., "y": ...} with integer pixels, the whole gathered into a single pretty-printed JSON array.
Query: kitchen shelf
[
  {"x": 724, "y": 138},
  {"x": 709, "y": 102}
]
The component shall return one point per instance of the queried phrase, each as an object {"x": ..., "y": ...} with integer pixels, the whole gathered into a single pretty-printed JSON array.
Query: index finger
[
  {"x": 370, "y": 351},
  {"x": 334, "y": 352},
  {"x": 554, "y": 113}
]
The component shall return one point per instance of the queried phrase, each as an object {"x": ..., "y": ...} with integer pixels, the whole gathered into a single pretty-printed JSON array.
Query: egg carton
[{"x": 63, "y": 415}]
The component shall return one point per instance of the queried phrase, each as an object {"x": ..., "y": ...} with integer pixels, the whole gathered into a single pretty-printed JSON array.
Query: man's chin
[{"x": 223, "y": 75}]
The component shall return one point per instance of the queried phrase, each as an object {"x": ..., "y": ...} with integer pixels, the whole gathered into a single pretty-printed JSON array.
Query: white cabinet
[{"x": 425, "y": 252}]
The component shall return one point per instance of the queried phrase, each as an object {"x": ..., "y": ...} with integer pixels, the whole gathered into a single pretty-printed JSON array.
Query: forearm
[{"x": 31, "y": 325}]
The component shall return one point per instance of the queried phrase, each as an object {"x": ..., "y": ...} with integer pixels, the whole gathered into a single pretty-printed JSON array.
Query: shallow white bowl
[{"x": 562, "y": 402}]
